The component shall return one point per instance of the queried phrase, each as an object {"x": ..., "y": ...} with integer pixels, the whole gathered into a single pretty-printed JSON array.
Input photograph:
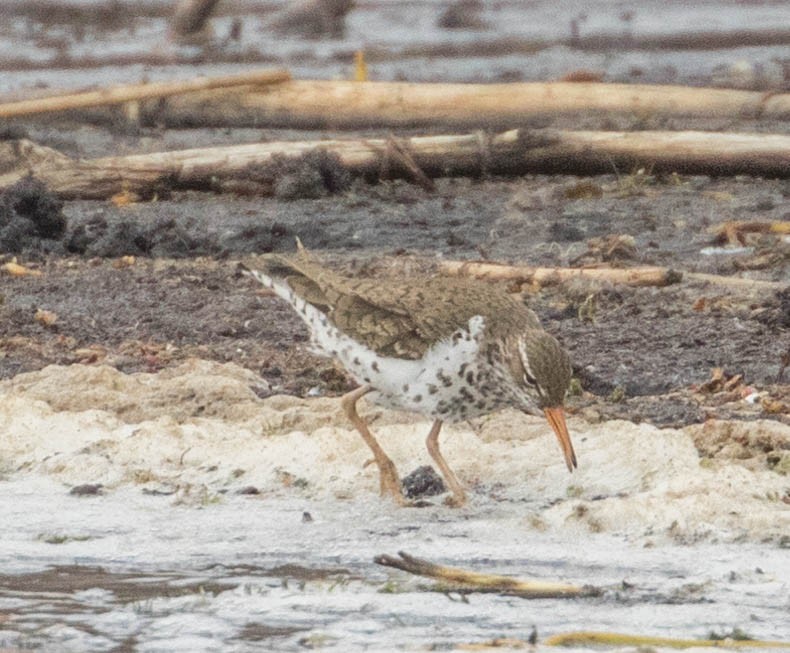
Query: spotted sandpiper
[{"x": 450, "y": 349}]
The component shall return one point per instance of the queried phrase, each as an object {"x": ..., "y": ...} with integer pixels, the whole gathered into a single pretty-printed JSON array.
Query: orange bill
[{"x": 556, "y": 417}]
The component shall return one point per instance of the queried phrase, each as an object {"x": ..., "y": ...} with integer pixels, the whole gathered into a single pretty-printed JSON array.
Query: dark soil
[{"x": 638, "y": 352}]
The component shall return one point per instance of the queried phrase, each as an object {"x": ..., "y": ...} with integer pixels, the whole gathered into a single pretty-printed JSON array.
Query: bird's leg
[
  {"x": 432, "y": 442},
  {"x": 388, "y": 474}
]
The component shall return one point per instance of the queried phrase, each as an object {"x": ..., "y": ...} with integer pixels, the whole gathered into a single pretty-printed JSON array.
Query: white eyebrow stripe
[{"x": 522, "y": 351}]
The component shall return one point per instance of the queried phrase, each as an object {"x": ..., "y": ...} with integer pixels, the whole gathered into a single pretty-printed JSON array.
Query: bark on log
[
  {"x": 460, "y": 580},
  {"x": 138, "y": 92},
  {"x": 512, "y": 152},
  {"x": 341, "y": 104}
]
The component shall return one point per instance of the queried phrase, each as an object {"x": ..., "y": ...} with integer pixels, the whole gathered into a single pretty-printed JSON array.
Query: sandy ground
[
  {"x": 185, "y": 501},
  {"x": 176, "y": 471}
]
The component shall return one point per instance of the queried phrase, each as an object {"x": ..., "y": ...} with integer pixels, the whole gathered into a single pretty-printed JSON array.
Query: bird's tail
[{"x": 298, "y": 273}]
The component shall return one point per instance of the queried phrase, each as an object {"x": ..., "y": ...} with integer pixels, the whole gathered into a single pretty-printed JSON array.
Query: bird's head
[{"x": 543, "y": 369}]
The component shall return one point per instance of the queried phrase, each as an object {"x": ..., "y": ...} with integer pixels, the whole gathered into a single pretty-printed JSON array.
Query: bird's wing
[
  {"x": 384, "y": 329},
  {"x": 397, "y": 318}
]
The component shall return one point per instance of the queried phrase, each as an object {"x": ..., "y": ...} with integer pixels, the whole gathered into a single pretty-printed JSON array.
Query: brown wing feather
[{"x": 401, "y": 318}]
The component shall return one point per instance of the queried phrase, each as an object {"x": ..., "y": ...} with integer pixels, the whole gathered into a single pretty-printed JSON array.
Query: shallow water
[
  {"x": 206, "y": 578},
  {"x": 522, "y": 41}
]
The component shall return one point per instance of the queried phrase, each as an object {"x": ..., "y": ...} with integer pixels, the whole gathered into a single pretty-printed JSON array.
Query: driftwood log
[
  {"x": 453, "y": 579},
  {"x": 512, "y": 152},
  {"x": 137, "y": 92},
  {"x": 347, "y": 104},
  {"x": 352, "y": 104}
]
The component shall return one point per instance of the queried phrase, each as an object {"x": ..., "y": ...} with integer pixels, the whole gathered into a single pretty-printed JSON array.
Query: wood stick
[
  {"x": 351, "y": 104},
  {"x": 395, "y": 150},
  {"x": 137, "y": 92},
  {"x": 461, "y": 580},
  {"x": 642, "y": 276},
  {"x": 735, "y": 283},
  {"x": 512, "y": 152}
]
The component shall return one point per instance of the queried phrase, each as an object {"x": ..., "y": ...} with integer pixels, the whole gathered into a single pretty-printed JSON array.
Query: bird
[{"x": 447, "y": 348}]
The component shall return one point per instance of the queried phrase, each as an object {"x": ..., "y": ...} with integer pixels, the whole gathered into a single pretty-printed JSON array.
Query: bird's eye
[{"x": 530, "y": 380}]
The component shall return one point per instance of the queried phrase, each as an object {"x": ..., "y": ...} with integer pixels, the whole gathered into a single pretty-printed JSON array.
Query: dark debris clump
[
  {"x": 115, "y": 236},
  {"x": 314, "y": 174},
  {"x": 422, "y": 482},
  {"x": 31, "y": 218}
]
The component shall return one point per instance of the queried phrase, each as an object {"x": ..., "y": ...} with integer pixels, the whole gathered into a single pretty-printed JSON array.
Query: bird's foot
[{"x": 390, "y": 482}]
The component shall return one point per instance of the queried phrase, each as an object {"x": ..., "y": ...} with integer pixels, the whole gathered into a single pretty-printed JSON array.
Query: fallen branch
[
  {"x": 644, "y": 276},
  {"x": 460, "y": 580},
  {"x": 351, "y": 104},
  {"x": 587, "y": 638},
  {"x": 735, "y": 282},
  {"x": 512, "y": 152},
  {"x": 138, "y": 92},
  {"x": 397, "y": 153}
]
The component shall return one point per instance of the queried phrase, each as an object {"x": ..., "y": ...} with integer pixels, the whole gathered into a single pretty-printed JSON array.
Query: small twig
[
  {"x": 460, "y": 580},
  {"x": 397, "y": 151},
  {"x": 733, "y": 232},
  {"x": 181, "y": 459}
]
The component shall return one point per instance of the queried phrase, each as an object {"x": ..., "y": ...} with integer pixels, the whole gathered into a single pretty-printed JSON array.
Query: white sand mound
[{"x": 201, "y": 425}]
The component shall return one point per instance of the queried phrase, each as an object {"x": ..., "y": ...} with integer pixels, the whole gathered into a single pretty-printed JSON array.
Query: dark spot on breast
[
  {"x": 405, "y": 387},
  {"x": 375, "y": 366},
  {"x": 417, "y": 399},
  {"x": 462, "y": 369},
  {"x": 480, "y": 405},
  {"x": 432, "y": 389},
  {"x": 366, "y": 379},
  {"x": 470, "y": 377},
  {"x": 356, "y": 360}
]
